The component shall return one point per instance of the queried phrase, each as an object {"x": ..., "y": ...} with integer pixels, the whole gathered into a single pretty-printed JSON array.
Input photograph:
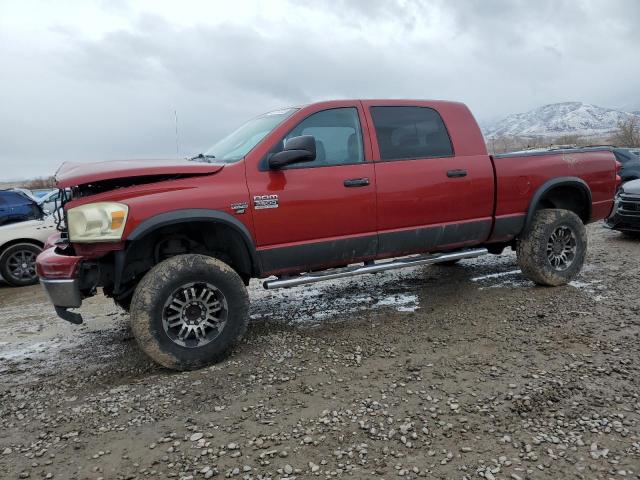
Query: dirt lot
[{"x": 440, "y": 372}]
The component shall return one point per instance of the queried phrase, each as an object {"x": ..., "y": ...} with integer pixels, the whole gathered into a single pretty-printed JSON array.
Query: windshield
[{"x": 236, "y": 145}]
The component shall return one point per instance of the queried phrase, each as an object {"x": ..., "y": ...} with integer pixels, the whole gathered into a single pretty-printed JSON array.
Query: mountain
[{"x": 559, "y": 119}]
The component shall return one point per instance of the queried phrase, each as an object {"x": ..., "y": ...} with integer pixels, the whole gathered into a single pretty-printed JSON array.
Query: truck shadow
[
  {"x": 405, "y": 291},
  {"x": 623, "y": 238}
]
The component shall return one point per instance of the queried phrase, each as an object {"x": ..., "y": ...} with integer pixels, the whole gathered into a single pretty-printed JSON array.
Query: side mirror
[{"x": 296, "y": 150}]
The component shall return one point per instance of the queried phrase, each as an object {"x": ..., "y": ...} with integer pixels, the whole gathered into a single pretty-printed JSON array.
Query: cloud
[{"x": 99, "y": 83}]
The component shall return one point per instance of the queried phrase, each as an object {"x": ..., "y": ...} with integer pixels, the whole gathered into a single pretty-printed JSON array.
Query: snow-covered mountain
[{"x": 558, "y": 119}]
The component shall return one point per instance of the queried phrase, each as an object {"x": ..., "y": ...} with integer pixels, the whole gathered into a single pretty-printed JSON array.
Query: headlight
[
  {"x": 616, "y": 201},
  {"x": 97, "y": 222}
]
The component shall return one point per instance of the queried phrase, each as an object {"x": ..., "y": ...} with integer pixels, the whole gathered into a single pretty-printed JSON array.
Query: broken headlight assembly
[{"x": 97, "y": 222}]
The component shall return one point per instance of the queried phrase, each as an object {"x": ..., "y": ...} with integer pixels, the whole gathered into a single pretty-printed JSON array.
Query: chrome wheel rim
[
  {"x": 21, "y": 265},
  {"x": 561, "y": 248},
  {"x": 194, "y": 314}
]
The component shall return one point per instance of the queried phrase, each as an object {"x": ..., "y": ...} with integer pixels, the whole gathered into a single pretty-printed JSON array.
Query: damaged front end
[{"x": 89, "y": 246}]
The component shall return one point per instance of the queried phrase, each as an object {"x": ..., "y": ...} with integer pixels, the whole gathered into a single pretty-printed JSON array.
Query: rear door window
[{"x": 410, "y": 132}]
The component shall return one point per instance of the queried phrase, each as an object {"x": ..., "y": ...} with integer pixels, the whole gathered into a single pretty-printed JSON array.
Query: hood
[
  {"x": 632, "y": 187},
  {"x": 71, "y": 174}
]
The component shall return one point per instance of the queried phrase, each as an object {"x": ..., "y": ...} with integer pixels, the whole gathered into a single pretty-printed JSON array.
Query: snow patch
[
  {"x": 591, "y": 287},
  {"x": 495, "y": 275},
  {"x": 516, "y": 280},
  {"x": 13, "y": 351},
  {"x": 401, "y": 302},
  {"x": 337, "y": 299}
]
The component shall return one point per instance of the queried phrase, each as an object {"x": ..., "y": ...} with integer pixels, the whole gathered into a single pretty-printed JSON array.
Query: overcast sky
[{"x": 93, "y": 80}]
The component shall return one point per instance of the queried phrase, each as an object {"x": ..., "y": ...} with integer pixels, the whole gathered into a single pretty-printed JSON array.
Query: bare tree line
[
  {"x": 627, "y": 134},
  {"x": 39, "y": 183}
]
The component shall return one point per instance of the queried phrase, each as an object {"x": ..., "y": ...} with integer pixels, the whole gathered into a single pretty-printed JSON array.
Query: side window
[
  {"x": 14, "y": 199},
  {"x": 410, "y": 132},
  {"x": 338, "y": 137}
]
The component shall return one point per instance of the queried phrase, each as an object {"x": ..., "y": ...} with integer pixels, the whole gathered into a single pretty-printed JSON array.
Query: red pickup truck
[{"x": 304, "y": 194}]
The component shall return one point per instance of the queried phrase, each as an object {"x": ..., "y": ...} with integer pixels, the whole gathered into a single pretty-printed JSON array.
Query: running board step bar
[{"x": 376, "y": 267}]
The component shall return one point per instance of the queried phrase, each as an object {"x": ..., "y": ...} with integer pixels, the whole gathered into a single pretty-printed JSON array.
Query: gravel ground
[{"x": 440, "y": 372}]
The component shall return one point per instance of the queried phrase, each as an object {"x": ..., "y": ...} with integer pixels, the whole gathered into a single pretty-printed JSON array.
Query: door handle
[
  {"x": 456, "y": 173},
  {"x": 356, "y": 182}
]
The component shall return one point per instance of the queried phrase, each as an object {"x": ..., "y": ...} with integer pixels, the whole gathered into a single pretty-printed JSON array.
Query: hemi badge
[{"x": 240, "y": 207}]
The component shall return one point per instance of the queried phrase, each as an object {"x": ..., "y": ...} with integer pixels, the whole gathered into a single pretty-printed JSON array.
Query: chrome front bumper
[{"x": 63, "y": 293}]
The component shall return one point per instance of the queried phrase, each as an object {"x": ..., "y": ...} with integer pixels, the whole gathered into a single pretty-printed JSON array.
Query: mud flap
[{"x": 71, "y": 317}]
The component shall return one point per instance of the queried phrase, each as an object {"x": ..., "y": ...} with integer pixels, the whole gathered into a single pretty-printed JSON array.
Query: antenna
[{"x": 175, "y": 114}]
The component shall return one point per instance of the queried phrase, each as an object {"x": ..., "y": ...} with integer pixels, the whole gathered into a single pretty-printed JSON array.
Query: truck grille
[{"x": 629, "y": 205}]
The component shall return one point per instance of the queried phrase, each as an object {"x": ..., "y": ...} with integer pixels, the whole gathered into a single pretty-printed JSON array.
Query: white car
[
  {"x": 49, "y": 201},
  {"x": 20, "y": 244}
]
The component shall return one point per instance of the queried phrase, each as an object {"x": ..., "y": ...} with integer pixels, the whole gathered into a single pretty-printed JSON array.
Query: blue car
[{"x": 15, "y": 206}]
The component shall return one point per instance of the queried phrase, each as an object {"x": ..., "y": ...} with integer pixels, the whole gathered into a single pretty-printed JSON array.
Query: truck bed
[{"x": 519, "y": 175}]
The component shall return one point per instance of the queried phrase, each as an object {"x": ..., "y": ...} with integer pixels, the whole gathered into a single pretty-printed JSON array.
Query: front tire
[
  {"x": 552, "y": 250},
  {"x": 189, "y": 311},
  {"x": 18, "y": 264}
]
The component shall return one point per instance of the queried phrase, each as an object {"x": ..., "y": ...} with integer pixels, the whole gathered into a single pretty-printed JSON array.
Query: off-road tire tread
[
  {"x": 148, "y": 299},
  {"x": 531, "y": 247}
]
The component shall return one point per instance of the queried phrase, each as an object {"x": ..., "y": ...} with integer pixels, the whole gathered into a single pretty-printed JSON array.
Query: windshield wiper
[{"x": 203, "y": 157}]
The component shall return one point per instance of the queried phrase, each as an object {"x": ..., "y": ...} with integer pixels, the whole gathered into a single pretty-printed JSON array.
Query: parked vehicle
[
  {"x": 41, "y": 192},
  {"x": 331, "y": 189},
  {"x": 20, "y": 244},
  {"x": 16, "y": 206},
  {"x": 626, "y": 210},
  {"x": 46, "y": 200},
  {"x": 50, "y": 201},
  {"x": 630, "y": 163}
]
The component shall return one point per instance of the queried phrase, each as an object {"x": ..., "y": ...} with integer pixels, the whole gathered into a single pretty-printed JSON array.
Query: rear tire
[
  {"x": 18, "y": 264},
  {"x": 189, "y": 311},
  {"x": 552, "y": 250}
]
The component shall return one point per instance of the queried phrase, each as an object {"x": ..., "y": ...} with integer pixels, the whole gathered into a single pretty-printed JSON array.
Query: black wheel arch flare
[
  {"x": 185, "y": 216},
  {"x": 549, "y": 185}
]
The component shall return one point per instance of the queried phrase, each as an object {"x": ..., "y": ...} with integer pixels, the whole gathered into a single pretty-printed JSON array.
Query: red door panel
[
  {"x": 326, "y": 210},
  {"x": 428, "y": 203},
  {"x": 421, "y": 208},
  {"x": 419, "y": 192},
  {"x": 314, "y": 205}
]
